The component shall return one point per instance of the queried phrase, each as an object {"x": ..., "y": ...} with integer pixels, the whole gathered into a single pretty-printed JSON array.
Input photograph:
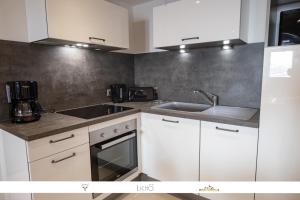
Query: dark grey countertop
[{"x": 54, "y": 123}]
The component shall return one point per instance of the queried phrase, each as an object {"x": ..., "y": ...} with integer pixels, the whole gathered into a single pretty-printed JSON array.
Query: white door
[
  {"x": 279, "y": 149},
  {"x": 228, "y": 153},
  {"x": 170, "y": 148}
]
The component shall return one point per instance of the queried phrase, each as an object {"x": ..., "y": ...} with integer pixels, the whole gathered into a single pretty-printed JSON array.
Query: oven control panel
[{"x": 109, "y": 132}]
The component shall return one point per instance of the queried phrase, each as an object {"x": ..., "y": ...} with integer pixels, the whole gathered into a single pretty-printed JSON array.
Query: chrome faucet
[{"x": 213, "y": 99}]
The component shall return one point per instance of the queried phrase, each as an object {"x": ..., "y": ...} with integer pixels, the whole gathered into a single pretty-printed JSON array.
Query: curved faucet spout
[{"x": 212, "y": 98}]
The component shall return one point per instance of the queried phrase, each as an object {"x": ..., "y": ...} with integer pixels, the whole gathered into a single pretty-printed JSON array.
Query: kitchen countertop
[
  {"x": 146, "y": 107},
  {"x": 54, "y": 123}
]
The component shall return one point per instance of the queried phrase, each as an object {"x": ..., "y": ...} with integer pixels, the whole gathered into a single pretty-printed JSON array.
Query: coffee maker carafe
[{"x": 22, "y": 98}]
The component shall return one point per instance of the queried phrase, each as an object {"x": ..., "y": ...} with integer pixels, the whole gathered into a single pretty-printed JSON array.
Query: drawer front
[
  {"x": 227, "y": 128},
  {"x": 103, "y": 134},
  {"x": 168, "y": 121},
  {"x": 70, "y": 165},
  {"x": 48, "y": 146}
]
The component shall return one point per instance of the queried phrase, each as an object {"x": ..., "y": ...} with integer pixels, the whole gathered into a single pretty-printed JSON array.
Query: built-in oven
[{"x": 113, "y": 150}]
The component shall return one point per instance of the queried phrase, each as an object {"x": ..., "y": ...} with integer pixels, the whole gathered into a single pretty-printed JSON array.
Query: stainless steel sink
[{"x": 185, "y": 107}]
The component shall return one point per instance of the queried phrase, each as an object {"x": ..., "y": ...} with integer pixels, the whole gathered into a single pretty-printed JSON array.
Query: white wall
[{"x": 141, "y": 27}]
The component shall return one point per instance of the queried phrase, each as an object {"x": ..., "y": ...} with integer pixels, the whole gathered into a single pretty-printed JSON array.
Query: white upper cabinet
[
  {"x": 89, "y": 21},
  {"x": 86, "y": 21},
  {"x": 23, "y": 20},
  {"x": 204, "y": 21},
  {"x": 186, "y": 22}
]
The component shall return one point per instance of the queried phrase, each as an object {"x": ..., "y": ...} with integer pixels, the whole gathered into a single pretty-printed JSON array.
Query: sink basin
[{"x": 185, "y": 107}]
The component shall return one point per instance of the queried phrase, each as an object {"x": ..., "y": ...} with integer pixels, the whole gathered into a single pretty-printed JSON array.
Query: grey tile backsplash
[
  {"x": 234, "y": 75},
  {"x": 70, "y": 77},
  {"x": 67, "y": 77}
]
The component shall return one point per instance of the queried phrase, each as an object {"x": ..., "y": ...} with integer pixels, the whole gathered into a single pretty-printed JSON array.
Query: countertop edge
[
  {"x": 71, "y": 127},
  {"x": 252, "y": 123}
]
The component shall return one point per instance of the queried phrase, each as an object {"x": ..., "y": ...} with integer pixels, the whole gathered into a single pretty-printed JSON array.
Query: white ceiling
[{"x": 129, "y": 3}]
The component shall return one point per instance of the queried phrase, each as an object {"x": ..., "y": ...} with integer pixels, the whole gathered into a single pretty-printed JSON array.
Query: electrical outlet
[{"x": 108, "y": 92}]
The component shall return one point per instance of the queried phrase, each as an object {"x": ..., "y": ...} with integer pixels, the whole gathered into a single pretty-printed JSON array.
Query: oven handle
[{"x": 110, "y": 144}]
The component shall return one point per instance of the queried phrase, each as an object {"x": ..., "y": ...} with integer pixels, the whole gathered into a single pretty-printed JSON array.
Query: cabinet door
[
  {"x": 70, "y": 165},
  {"x": 188, "y": 22},
  {"x": 170, "y": 148},
  {"x": 228, "y": 153},
  {"x": 114, "y": 24},
  {"x": 78, "y": 20}
]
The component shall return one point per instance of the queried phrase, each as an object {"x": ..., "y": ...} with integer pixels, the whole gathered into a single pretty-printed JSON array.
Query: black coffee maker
[{"x": 22, "y": 97}]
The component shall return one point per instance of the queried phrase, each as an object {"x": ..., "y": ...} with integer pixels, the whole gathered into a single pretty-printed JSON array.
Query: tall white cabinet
[
  {"x": 228, "y": 153},
  {"x": 279, "y": 149},
  {"x": 170, "y": 147}
]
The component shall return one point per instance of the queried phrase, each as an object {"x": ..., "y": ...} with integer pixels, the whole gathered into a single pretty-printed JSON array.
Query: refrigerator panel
[{"x": 279, "y": 137}]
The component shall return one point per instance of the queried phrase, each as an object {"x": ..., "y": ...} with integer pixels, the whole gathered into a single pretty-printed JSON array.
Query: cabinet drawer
[
  {"x": 168, "y": 121},
  {"x": 47, "y": 146},
  {"x": 219, "y": 128},
  {"x": 70, "y": 165}
]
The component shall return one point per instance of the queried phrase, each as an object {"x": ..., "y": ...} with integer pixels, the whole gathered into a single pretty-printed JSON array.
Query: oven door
[{"x": 115, "y": 159}]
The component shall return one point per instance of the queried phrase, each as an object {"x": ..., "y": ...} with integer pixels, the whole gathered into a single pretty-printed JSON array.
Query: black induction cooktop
[{"x": 94, "y": 111}]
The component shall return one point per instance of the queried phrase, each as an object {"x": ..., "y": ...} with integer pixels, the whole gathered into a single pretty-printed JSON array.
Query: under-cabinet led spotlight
[
  {"x": 226, "y": 42},
  {"x": 182, "y": 46},
  {"x": 85, "y": 45},
  {"x": 182, "y": 51}
]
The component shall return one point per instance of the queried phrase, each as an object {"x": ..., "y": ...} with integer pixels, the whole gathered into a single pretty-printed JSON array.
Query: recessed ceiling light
[
  {"x": 182, "y": 51},
  {"x": 226, "y": 42},
  {"x": 197, "y": 1},
  {"x": 226, "y": 47},
  {"x": 182, "y": 46}
]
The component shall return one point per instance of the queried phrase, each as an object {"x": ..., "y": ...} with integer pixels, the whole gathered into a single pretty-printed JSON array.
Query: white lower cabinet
[
  {"x": 70, "y": 165},
  {"x": 170, "y": 147},
  {"x": 228, "y": 153}
]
